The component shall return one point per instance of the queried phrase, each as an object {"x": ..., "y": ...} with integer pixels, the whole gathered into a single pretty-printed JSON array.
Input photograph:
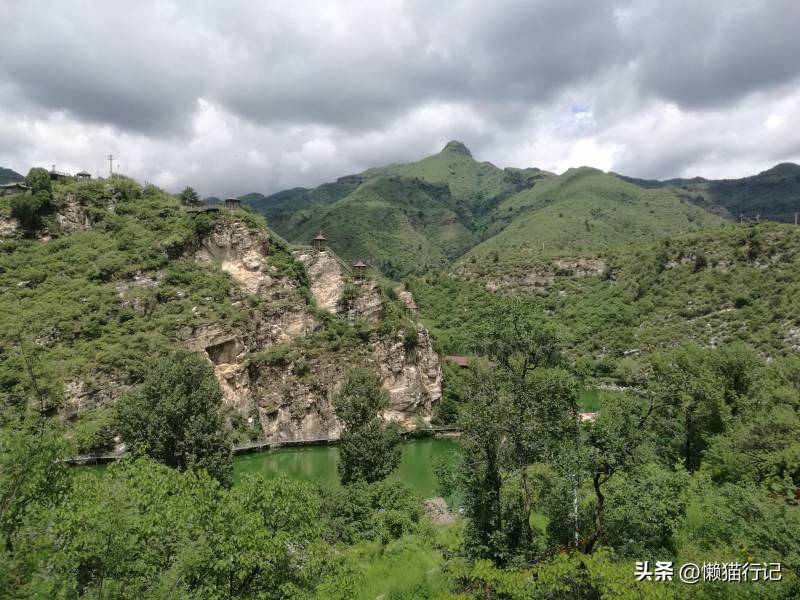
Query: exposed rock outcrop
[
  {"x": 239, "y": 251},
  {"x": 295, "y": 402},
  {"x": 367, "y": 304},
  {"x": 8, "y": 226},
  {"x": 71, "y": 216},
  {"x": 540, "y": 278},
  {"x": 412, "y": 374},
  {"x": 325, "y": 277}
]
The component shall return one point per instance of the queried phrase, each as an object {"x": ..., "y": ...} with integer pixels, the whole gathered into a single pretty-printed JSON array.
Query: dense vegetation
[
  {"x": 773, "y": 194},
  {"x": 738, "y": 283},
  {"x": 696, "y": 458}
]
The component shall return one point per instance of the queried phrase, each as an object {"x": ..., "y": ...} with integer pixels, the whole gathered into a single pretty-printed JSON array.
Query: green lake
[{"x": 318, "y": 463}]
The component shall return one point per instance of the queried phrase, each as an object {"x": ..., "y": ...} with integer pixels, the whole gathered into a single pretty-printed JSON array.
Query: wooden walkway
[{"x": 262, "y": 445}]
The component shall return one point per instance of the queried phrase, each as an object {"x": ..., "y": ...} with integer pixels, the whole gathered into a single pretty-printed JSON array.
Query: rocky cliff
[{"x": 291, "y": 400}]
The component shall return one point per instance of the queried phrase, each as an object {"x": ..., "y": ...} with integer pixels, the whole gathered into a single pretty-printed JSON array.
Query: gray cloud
[{"x": 243, "y": 95}]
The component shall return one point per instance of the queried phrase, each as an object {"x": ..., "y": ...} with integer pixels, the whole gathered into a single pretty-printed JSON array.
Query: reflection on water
[{"x": 318, "y": 463}]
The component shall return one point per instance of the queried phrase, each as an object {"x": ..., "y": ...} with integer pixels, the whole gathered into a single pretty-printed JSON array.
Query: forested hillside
[
  {"x": 773, "y": 194},
  {"x": 405, "y": 219},
  {"x": 628, "y": 392}
]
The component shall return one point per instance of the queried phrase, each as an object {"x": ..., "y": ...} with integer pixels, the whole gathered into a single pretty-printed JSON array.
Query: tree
[
  {"x": 190, "y": 197},
  {"x": 175, "y": 417},
  {"x": 690, "y": 400},
  {"x": 38, "y": 179},
  {"x": 369, "y": 448}
]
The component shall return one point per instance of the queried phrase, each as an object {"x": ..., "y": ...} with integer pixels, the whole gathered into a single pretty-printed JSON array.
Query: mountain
[
  {"x": 9, "y": 176},
  {"x": 773, "y": 194},
  {"x": 583, "y": 211},
  {"x": 119, "y": 272},
  {"x": 403, "y": 218},
  {"x": 735, "y": 283}
]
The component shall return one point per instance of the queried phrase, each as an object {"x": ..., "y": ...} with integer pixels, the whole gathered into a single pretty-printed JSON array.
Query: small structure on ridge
[
  {"x": 359, "y": 270},
  {"x": 232, "y": 203},
  {"x": 320, "y": 242}
]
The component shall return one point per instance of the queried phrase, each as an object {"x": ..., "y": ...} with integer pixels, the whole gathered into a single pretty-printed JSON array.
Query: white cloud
[{"x": 252, "y": 95}]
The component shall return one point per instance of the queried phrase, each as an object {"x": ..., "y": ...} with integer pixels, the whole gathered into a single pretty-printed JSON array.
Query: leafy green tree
[
  {"x": 29, "y": 208},
  {"x": 38, "y": 179},
  {"x": 609, "y": 445},
  {"x": 690, "y": 400},
  {"x": 190, "y": 197},
  {"x": 369, "y": 448},
  {"x": 175, "y": 416}
]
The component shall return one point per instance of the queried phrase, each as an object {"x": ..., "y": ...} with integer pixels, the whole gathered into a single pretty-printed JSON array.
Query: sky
[{"x": 260, "y": 95}]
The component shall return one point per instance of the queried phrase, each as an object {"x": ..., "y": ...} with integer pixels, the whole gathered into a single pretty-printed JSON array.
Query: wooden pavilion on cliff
[
  {"x": 359, "y": 270},
  {"x": 232, "y": 203},
  {"x": 320, "y": 242}
]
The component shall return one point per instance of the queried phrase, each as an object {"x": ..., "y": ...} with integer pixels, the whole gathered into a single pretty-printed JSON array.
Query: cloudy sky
[{"x": 260, "y": 95}]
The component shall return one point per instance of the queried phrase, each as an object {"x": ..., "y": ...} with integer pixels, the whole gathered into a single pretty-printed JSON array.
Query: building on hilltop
[
  {"x": 17, "y": 187},
  {"x": 232, "y": 203},
  {"x": 359, "y": 270},
  {"x": 83, "y": 175},
  {"x": 320, "y": 242},
  {"x": 58, "y": 175}
]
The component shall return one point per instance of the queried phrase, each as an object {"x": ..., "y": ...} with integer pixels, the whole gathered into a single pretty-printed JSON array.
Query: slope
[
  {"x": 728, "y": 284},
  {"x": 9, "y": 176},
  {"x": 773, "y": 194},
  {"x": 581, "y": 212},
  {"x": 399, "y": 225}
]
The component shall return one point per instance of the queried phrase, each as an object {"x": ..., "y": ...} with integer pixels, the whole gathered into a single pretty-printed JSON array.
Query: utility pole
[
  {"x": 758, "y": 218},
  {"x": 795, "y": 218},
  {"x": 740, "y": 218},
  {"x": 110, "y": 166}
]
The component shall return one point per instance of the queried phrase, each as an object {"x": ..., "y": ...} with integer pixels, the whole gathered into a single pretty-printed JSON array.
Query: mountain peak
[
  {"x": 786, "y": 168},
  {"x": 456, "y": 147}
]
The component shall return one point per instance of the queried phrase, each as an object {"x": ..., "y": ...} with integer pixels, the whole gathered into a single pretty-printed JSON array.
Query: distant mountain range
[
  {"x": 409, "y": 218},
  {"x": 9, "y": 176}
]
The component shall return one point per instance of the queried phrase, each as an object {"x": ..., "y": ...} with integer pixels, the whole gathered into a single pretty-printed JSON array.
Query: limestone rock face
[
  {"x": 540, "y": 278},
  {"x": 368, "y": 304},
  {"x": 71, "y": 216},
  {"x": 411, "y": 375},
  {"x": 239, "y": 251},
  {"x": 325, "y": 277},
  {"x": 8, "y": 226},
  {"x": 81, "y": 396},
  {"x": 227, "y": 353},
  {"x": 290, "y": 400},
  {"x": 294, "y": 408}
]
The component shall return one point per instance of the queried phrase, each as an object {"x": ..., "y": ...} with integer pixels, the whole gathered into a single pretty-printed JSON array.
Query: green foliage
[
  {"x": 190, "y": 197},
  {"x": 381, "y": 511},
  {"x": 94, "y": 433},
  {"x": 175, "y": 417},
  {"x": 96, "y": 302},
  {"x": 369, "y": 449},
  {"x": 29, "y": 208},
  {"x": 38, "y": 179}
]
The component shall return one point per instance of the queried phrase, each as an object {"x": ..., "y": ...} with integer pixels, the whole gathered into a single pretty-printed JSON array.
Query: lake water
[{"x": 318, "y": 463}]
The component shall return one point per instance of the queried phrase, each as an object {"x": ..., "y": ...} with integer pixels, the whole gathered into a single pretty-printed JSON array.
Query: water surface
[{"x": 318, "y": 463}]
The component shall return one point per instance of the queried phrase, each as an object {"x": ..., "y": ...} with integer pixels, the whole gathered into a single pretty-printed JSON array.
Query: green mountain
[
  {"x": 736, "y": 283},
  {"x": 403, "y": 218},
  {"x": 583, "y": 211},
  {"x": 773, "y": 194},
  {"x": 9, "y": 176}
]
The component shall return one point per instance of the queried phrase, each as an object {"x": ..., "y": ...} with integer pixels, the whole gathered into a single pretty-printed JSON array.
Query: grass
[{"x": 409, "y": 567}]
